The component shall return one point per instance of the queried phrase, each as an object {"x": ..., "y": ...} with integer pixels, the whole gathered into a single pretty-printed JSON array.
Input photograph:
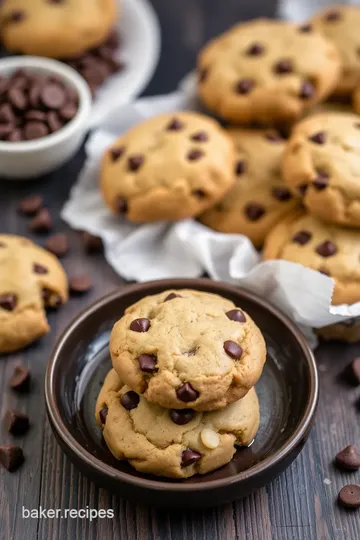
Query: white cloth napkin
[{"x": 188, "y": 248}]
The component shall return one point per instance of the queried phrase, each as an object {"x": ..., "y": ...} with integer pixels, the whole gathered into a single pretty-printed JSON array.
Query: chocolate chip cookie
[
  {"x": 334, "y": 251},
  {"x": 259, "y": 197},
  {"x": 188, "y": 348},
  {"x": 267, "y": 72},
  {"x": 31, "y": 279},
  {"x": 322, "y": 165},
  {"x": 340, "y": 24},
  {"x": 170, "y": 167},
  {"x": 55, "y": 28},
  {"x": 170, "y": 442}
]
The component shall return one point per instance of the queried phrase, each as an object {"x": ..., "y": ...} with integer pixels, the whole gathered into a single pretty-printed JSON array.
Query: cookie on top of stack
[{"x": 181, "y": 391}]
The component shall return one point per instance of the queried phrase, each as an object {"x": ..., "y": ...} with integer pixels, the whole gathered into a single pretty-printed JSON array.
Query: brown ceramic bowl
[{"x": 287, "y": 390}]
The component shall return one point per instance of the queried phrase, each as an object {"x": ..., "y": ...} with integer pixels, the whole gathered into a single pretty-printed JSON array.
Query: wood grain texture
[{"x": 296, "y": 506}]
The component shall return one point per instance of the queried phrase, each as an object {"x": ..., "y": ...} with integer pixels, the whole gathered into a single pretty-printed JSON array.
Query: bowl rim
[
  {"x": 71, "y": 78},
  {"x": 111, "y": 473}
]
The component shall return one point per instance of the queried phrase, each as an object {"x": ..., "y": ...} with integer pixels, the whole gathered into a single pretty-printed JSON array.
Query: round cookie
[
  {"x": 170, "y": 167},
  {"x": 340, "y": 24},
  {"x": 322, "y": 164},
  {"x": 332, "y": 250},
  {"x": 187, "y": 348},
  {"x": 172, "y": 443},
  {"x": 259, "y": 198},
  {"x": 267, "y": 72},
  {"x": 347, "y": 331},
  {"x": 31, "y": 279},
  {"x": 55, "y": 28}
]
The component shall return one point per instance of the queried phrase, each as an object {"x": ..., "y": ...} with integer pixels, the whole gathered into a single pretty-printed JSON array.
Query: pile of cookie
[
  {"x": 181, "y": 391},
  {"x": 288, "y": 175},
  {"x": 78, "y": 32}
]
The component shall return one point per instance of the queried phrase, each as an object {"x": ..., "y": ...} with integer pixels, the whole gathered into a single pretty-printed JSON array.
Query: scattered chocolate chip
[
  {"x": 199, "y": 193},
  {"x": 307, "y": 90},
  {"x": 42, "y": 222},
  {"x": 194, "y": 155},
  {"x": 58, "y": 244},
  {"x": 354, "y": 371},
  {"x": 332, "y": 16},
  {"x": 240, "y": 167},
  {"x": 80, "y": 284},
  {"x": 175, "y": 125},
  {"x": 255, "y": 49},
  {"x": 321, "y": 181},
  {"x": 35, "y": 130},
  {"x": 187, "y": 393},
  {"x": 233, "y": 349},
  {"x": 302, "y": 189},
  {"x": 40, "y": 269},
  {"x": 326, "y": 249},
  {"x": 147, "y": 363},
  {"x": 51, "y": 299},
  {"x": 92, "y": 243},
  {"x": 171, "y": 296},
  {"x": 130, "y": 400},
  {"x": 319, "y": 137},
  {"x": 11, "y": 457},
  {"x": 188, "y": 457},
  {"x": 15, "y": 422},
  {"x": 103, "y": 414},
  {"x": 282, "y": 67},
  {"x": 254, "y": 211},
  {"x": 140, "y": 325},
  {"x": 348, "y": 459},
  {"x": 20, "y": 379},
  {"x": 116, "y": 153},
  {"x": 281, "y": 193},
  {"x": 31, "y": 205},
  {"x": 236, "y": 315},
  {"x": 203, "y": 73},
  {"x": 8, "y": 301},
  {"x": 349, "y": 496},
  {"x": 182, "y": 416},
  {"x": 121, "y": 205},
  {"x": 305, "y": 28},
  {"x": 135, "y": 162},
  {"x": 200, "y": 136},
  {"x": 244, "y": 86},
  {"x": 302, "y": 237}
]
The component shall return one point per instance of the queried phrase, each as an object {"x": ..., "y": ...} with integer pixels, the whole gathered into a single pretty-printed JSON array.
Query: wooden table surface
[{"x": 300, "y": 505}]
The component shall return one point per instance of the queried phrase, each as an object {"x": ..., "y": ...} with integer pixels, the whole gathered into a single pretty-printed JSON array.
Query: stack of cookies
[{"x": 181, "y": 392}]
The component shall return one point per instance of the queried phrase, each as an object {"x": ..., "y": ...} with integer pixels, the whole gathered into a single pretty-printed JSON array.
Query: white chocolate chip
[{"x": 210, "y": 438}]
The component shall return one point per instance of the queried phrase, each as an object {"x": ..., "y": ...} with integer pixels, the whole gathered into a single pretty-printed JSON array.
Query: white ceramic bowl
[{"x": 29, "y": 159}]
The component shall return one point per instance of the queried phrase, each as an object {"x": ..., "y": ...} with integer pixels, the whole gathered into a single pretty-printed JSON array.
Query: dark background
[{"x": 297, "y": 506}]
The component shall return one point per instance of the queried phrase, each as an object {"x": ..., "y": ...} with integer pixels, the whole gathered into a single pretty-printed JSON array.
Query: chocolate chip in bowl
[
  {"x": 71, "y": 392},
  {"x": 44, "y": 110}
]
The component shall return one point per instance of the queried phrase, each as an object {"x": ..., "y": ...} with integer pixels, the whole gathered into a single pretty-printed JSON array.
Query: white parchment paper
[{"x": 188, "y": 248}]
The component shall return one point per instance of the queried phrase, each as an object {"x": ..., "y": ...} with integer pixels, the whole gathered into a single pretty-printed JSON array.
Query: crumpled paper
[{"x": 188, "y": 248}]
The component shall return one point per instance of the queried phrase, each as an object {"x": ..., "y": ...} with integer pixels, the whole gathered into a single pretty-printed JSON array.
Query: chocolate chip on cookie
[
  {"x": 147, "y": 363},
  {"x": 130, "y": 400},
  {"x": 182, "y": 416},
  {"x": 8, "y": 301},
  {"x": 116, "y": 153},
  {"x": 103, "y": 414},
  {"x": 326, "y": 248},
  {"x": 175, "y": 125},
  {"x": 140, "y": 325},
  {"x": 233, "y": 349},
  {"x": 254, "y": 211},
  {"x": 189, "y": 457},
  {"x": 40, "y": 269},
  {"x": 187, "y": 393},
  {"x": 171, "y": 296},
  {"x": 236, "y": 315}
]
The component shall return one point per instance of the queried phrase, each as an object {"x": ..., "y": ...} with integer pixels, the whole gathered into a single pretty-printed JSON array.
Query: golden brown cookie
[
  {"x": 340, "y": 24},
  {"x": 332, "y": 250},
  {"x": 169, "y": 167},
  {"x": 259, "y": 197},
  {"x": 172, "y": 443},
  {"x": 322, "y": 165},
  {"x": 188, "y": 349},
  {"x": 55, "y": 28},
  {"x": 347, "y": 331},
  {"x": 267, "y": 72},
  {"x": 31, "y": 279}
]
